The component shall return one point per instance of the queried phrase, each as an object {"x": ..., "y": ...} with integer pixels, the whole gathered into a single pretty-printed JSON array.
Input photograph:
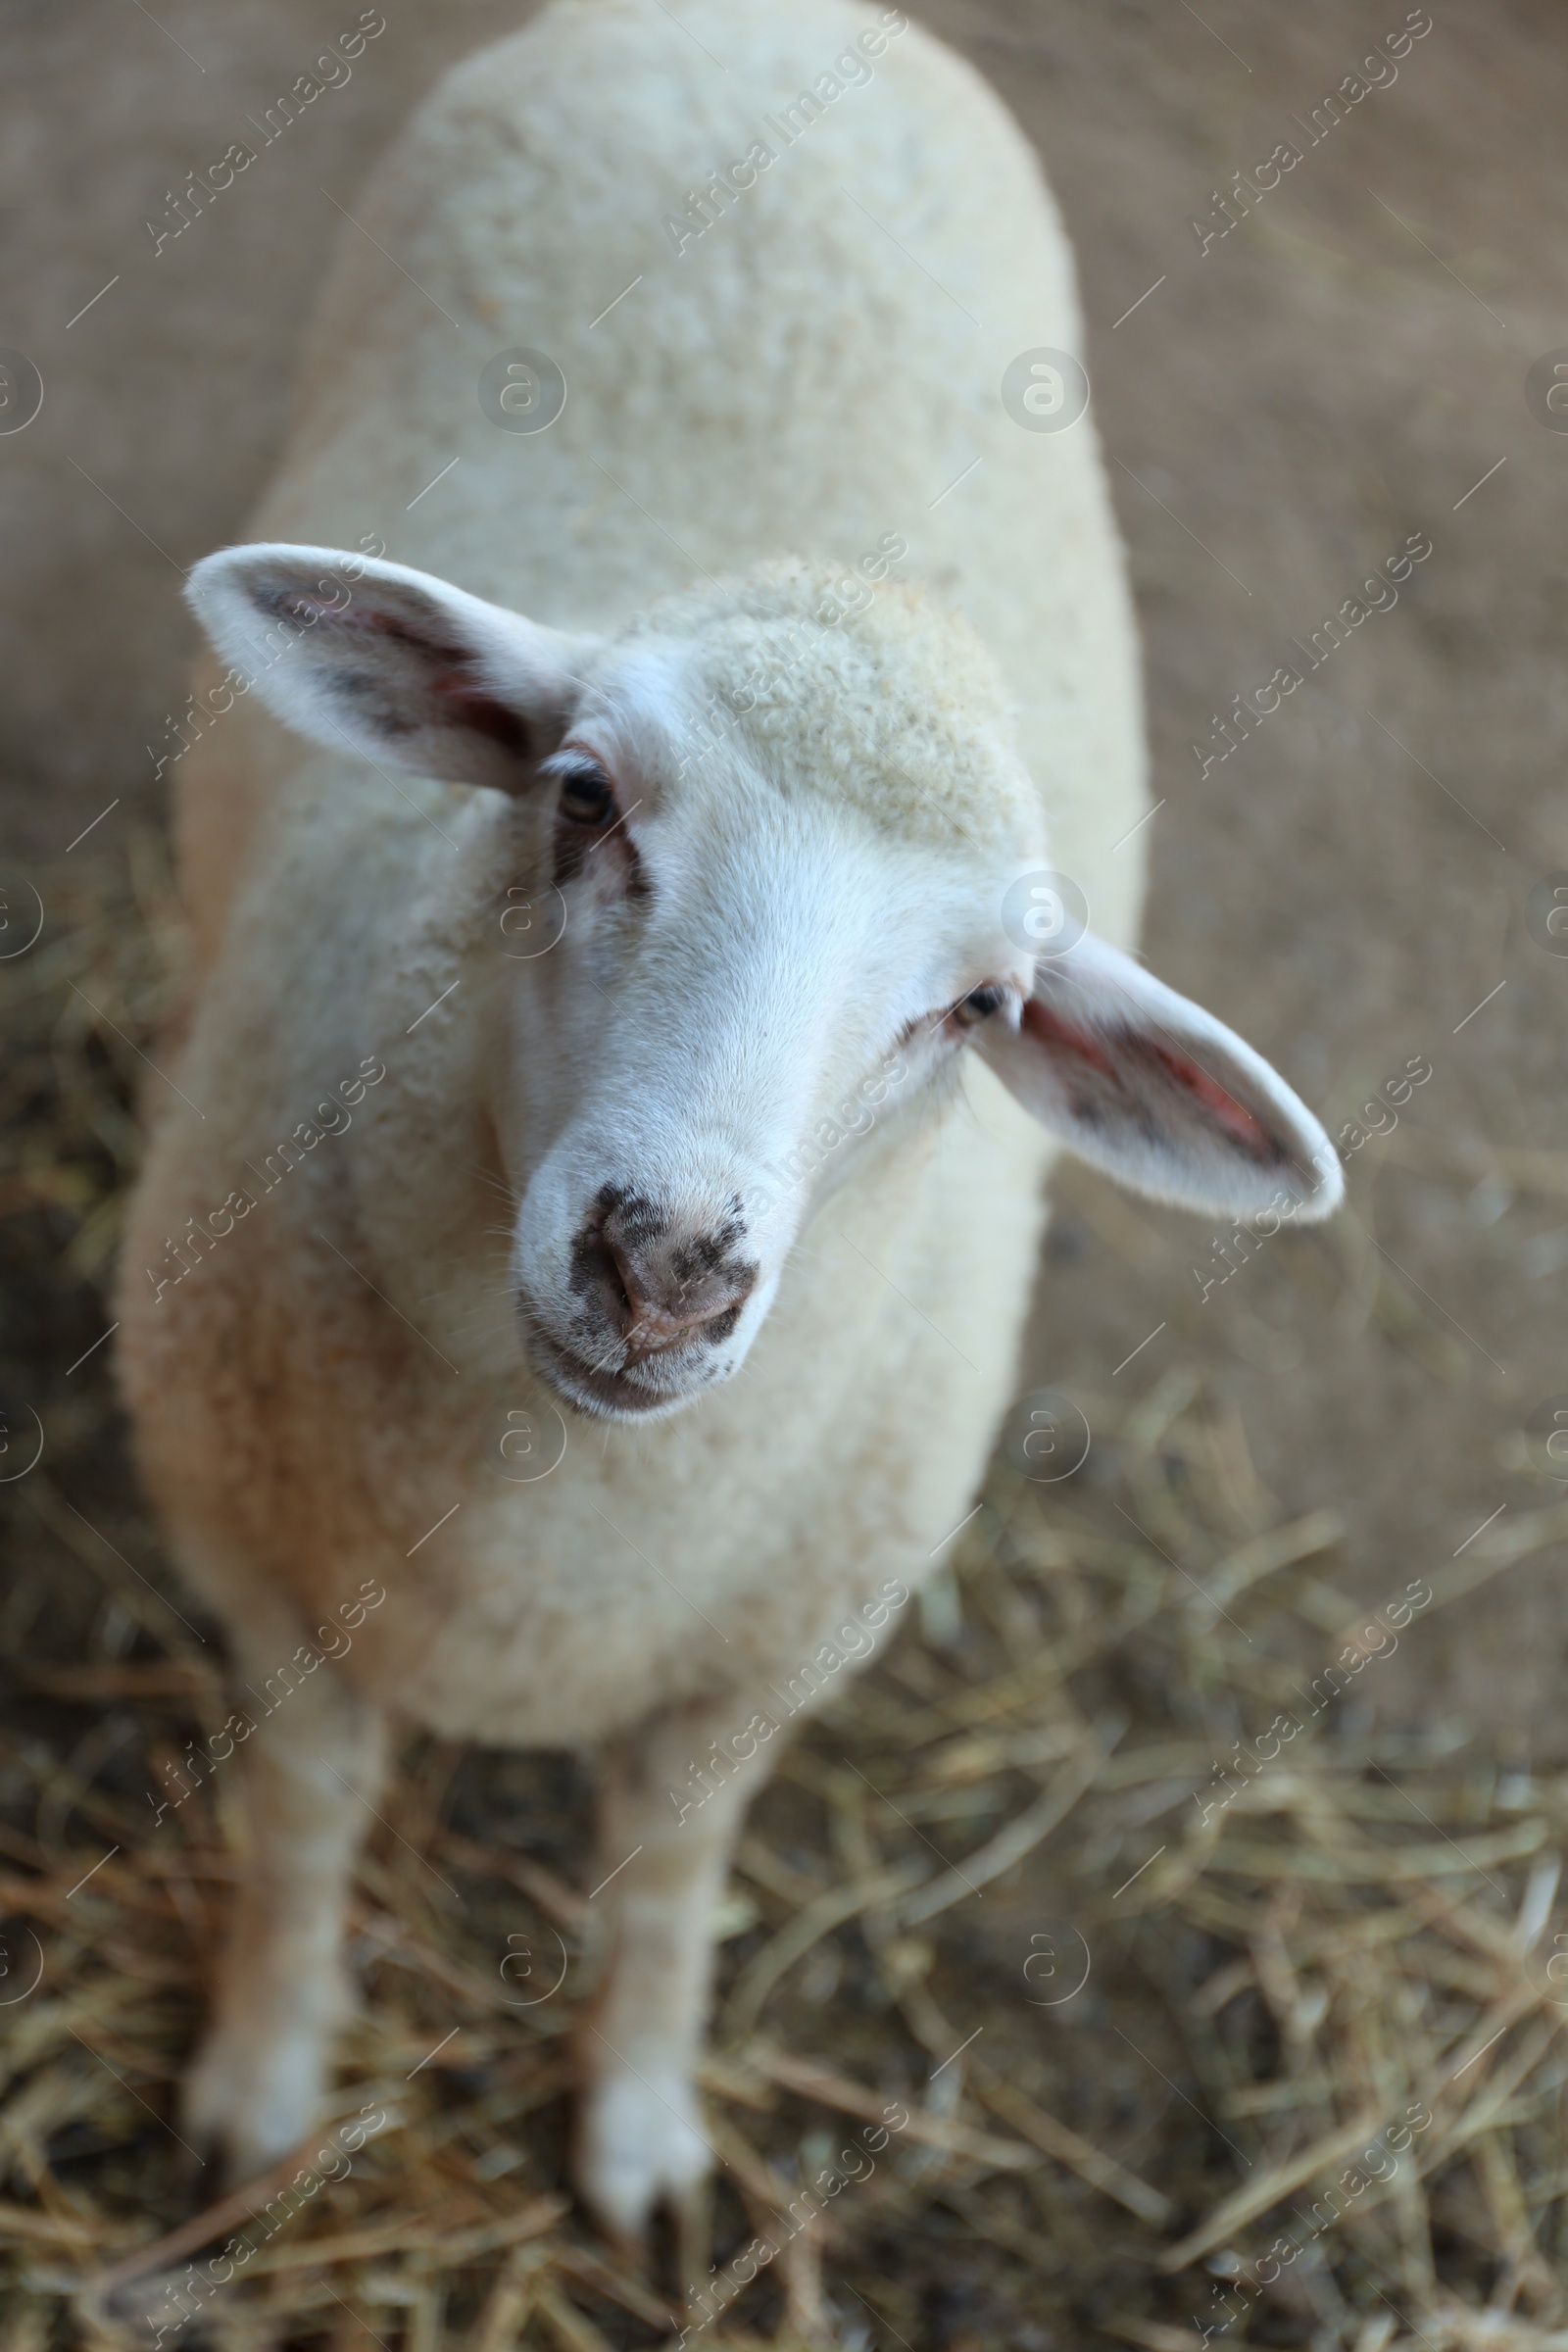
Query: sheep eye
[
  {"x": 587, "y": 798},
  {"x": 978, "y": 1006}
]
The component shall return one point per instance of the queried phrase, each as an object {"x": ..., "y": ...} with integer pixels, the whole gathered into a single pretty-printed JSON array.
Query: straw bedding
[{"x": 1068, "y": 1995}]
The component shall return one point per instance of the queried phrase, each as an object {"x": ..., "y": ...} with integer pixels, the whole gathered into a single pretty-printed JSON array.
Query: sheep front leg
[
  {"x": 640, "y": 2133},
  {"x": 312, "y": 1765}
]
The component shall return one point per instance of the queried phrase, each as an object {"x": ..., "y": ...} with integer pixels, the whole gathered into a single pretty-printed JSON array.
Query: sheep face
[
  {"x": 754, "y": 989},
  {"x": 785, "y": 850}
]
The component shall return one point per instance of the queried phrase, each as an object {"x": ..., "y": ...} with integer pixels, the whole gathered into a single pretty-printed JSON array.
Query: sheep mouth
[{"x": 609, "y": 1396}]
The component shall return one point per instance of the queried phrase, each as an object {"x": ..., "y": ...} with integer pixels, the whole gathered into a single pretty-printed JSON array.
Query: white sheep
[{"x": 588, "y": 1008}]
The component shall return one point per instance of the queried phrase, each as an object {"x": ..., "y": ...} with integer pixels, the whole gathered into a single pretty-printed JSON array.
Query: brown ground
[{"x": 1284, "y": 409}]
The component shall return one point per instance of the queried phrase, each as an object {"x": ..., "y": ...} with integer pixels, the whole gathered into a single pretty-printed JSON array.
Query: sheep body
[
  {"x": 318, "y": 1398},
  {"x": 818, "y": 1475}
]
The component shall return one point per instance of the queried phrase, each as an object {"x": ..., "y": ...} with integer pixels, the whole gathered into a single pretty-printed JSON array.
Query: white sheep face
[
  {"x": 749, "y": 986},
  {"x": 784, "y": 852}
]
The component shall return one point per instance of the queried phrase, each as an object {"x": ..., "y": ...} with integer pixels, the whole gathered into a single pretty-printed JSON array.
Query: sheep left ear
[
  {"x": 374, "y": 657},
  {"x": 1147, "y": 1086}
]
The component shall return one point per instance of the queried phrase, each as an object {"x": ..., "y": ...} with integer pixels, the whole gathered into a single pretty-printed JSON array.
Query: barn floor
[
  {"x": 1322, "y": 1999},
  {"x": 1092, "y": 1971}
]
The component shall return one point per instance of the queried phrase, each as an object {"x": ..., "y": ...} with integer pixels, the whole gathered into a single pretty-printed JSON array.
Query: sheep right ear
[
  {"x": 374, "y": 657},
  {"x": 1150, "y": 1087}
]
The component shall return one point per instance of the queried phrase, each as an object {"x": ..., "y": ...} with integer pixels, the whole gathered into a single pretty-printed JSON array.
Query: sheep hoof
[
  {"x": 248, "y": 2100},
  {"x": 640, "y": 2145}
]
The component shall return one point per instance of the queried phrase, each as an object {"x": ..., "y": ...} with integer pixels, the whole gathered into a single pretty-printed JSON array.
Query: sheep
[{"x": 646, "y": 959}]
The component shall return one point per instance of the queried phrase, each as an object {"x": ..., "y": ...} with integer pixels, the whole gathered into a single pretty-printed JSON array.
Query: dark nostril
[
  {"x": 658, "y": 1293},
  {"x": 660, "y": 1322},
  {"x": 620, "y": 1277}
]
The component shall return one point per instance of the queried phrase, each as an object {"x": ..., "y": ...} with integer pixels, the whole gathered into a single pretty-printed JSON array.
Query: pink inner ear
[
  {"x": 1062, "y": 1038},
  {"x": 471, "y": 705},
  {"x": 1223, "y": 1108},
  {"x": 303, "y": 606}
]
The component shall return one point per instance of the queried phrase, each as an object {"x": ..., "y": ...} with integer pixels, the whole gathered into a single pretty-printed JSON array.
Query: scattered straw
[{"x": 1064, "y": 1996}]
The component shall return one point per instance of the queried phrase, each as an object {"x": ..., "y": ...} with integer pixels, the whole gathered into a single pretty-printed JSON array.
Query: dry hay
[{"x": 1196, "y": 2042}]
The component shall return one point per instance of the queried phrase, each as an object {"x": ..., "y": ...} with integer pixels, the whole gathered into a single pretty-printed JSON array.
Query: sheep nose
[
  {"x": 658, "y": 1313},
  {"x": 661, "y": 1281}
]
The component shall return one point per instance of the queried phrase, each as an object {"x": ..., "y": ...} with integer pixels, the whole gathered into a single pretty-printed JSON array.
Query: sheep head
[{"x": 796, "y": 862}]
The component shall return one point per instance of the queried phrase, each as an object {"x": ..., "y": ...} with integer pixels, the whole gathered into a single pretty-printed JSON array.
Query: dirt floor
[{"x": 1361, "y": 884}]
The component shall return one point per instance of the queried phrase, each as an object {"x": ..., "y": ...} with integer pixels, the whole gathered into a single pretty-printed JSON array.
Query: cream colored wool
[{"x": 814, "y": 372}]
